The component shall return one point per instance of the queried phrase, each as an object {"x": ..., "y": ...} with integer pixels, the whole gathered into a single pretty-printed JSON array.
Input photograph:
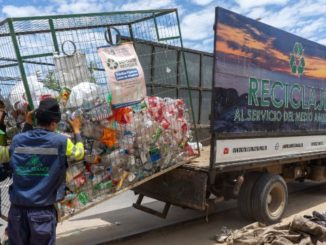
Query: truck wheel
[
  {"x": 269, "y": 198},
  {"x": 245, "y": 195}
]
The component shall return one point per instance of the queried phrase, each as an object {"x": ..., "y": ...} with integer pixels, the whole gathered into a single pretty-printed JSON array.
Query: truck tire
[
  {"x": 245, "y": 195},
  {"x": 269, "y": 198}
]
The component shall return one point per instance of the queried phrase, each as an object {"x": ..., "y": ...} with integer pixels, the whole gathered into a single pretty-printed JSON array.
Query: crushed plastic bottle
[
  {"x": 114, "y": 156},
  {"x": 92, "y": 130},
  {"x": 157, "y": 134},
  {"x": 103, "y": 186},
  {"x": 127, "y": 141},
  {"x": 76, "y": 114},
  {"x": 99, "y": 112},
  {"x": 83, "y": 198}
]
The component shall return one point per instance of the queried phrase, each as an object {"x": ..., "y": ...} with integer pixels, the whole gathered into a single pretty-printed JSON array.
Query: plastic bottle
[
  {"x": 70, "y": 197},
  {"x": 154, "y": 154},
  {"x": 63, "y": 126},
  {"x": 140, "y": 174},
  {"x": 83, "y": 198},
  {"x": 127, "y": 141},
  {"x": 116, "y": 175},
  {"x": 144, "y": 156},
  {"x": 80, "y": 180},
  {"x": 111, "y": 157},
  {"x": 73, "y": 171},
  {"x": 148, "y": 169},
  {"x": 131, "y": 177},
  {"x": 64, "y": 95},
  {"x": 92, "y": 130},
  {"x": 105, "y": 186},
  {"x": 157, "y": 134},
  {"x": 122, "y": 179},
  {"x": 76, "y": 114},
  {"x": 100, "y": 112},
  {"x": 167, "y": 160}
]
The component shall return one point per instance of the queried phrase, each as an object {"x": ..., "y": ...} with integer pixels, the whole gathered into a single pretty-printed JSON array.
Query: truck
[
  {"x": 258, "y": 103},
  {"x": 266, "y": 120}
]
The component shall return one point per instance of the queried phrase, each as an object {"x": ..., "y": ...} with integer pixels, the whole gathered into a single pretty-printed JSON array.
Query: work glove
[{"x": 75, "y": 125}]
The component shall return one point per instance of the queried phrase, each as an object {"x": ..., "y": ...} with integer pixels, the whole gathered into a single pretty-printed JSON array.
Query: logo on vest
[{"x": 33, "y": 167}]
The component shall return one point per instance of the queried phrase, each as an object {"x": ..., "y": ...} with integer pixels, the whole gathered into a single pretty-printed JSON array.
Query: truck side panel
[
  {"x": 269, "y": 90},
  {"x": 181, "y": 187}
]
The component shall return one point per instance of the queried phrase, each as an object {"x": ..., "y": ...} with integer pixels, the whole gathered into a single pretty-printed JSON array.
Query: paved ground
[
  {"x": 112, "y": 221},
  {"x": 203, "y": 233},
  {"x": 116, "y": 219}
]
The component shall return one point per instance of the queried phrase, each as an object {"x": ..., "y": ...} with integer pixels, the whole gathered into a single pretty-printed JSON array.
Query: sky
[{"x": 305, "y": 18}]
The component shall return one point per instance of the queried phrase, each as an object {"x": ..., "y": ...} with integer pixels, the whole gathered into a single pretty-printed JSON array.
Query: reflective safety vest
[
  {"x": 4, "y": 154},
  {"x": 38, "y": 162}
]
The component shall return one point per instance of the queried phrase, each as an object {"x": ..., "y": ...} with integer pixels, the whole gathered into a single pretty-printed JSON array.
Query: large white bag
[
  {"x": 86, "y": 93},
  {"x": 37, "y": 90},
  {"x": 71, "y": 69}
]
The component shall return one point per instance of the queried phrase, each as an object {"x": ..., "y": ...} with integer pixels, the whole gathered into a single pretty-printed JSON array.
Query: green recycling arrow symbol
[{"x": 297, "y": 61}]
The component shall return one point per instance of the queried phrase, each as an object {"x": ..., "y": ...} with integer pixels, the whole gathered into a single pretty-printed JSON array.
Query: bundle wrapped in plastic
[
  {"x": 131, "y": 144},
  {"x": 18, "y": 97},
  {"x": 85, "y": 95},
  {"x": 72, "y": 69},
  {"x": 91, "y": 98},
  {"x": 17, "y": 103}
]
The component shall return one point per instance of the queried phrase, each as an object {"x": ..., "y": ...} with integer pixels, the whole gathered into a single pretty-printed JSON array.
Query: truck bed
[{"x": 201, "y": 162}]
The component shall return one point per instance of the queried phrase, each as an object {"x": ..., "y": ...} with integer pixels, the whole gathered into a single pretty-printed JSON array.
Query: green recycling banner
[{"x": 266, "y": 81}]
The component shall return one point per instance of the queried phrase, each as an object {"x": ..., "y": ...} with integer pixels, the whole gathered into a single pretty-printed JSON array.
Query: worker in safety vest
[
  {"x": 38, "y": 162},
  {"x": 4, "y": 152}
]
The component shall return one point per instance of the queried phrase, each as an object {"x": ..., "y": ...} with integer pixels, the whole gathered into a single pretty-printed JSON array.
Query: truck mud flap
[{"x": 180, "y": 187}]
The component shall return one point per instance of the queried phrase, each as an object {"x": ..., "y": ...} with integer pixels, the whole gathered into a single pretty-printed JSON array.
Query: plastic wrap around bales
[
  {"x": 132, "y": 144},
  {"x": 18, "y": 97}
]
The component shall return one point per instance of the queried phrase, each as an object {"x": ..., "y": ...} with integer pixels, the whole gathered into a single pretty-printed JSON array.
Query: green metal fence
[
  {"x": 200, "y": 75},
  {"x": 158, "y": 47},
  {"x": 28, "y": 47},
  {"x": 28, "y": 44}
]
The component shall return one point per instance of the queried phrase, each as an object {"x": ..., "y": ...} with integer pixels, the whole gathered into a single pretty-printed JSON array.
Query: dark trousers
[{"x": 32, "y": 226}]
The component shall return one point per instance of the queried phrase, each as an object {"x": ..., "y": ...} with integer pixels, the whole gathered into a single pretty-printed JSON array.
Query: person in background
[
  {"x": 38, "y": 162},
  {"x": 5, "y": 170},
  {"x": 4, "y": 152}
]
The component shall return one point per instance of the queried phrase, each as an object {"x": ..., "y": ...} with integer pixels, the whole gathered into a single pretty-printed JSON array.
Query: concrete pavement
[{"x": 116, "y": 219}]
